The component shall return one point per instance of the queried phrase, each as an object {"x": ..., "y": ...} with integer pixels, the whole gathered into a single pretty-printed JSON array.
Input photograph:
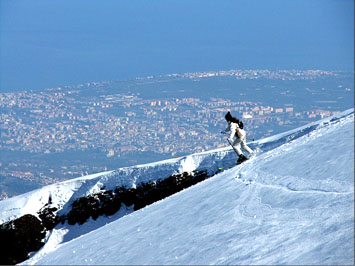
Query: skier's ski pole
[{"x": 250, "y": 139}]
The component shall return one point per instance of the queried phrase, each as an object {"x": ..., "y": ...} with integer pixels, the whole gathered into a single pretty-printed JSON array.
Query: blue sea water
[{"x": 54, "y": 43}]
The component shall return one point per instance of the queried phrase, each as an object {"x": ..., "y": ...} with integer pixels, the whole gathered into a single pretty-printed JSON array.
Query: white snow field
[{"x": 291, "y": 204}]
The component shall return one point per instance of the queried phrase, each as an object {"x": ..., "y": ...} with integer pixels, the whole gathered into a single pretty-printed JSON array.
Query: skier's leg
[
  {"x": 241, "y": 156},
  {"x": 245, "y": 147},
  {"x": 236, "y": 145}
]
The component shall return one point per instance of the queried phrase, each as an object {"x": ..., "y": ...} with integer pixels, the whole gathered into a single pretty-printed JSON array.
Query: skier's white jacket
[
  {"x": 234, "y": 129},
  {"x": 240, "y": 140}
]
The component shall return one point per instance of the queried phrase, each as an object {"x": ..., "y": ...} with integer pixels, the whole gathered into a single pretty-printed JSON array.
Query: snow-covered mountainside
[{"x": 291, "y": 204}]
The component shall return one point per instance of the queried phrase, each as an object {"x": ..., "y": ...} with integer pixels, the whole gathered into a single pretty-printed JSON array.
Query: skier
[{"x": 235, "y": 128}]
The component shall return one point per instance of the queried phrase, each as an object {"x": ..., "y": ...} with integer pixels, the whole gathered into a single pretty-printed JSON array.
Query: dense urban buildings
[{"x": 59, "y": 133}]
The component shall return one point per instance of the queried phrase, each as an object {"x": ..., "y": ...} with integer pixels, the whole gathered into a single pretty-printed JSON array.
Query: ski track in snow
[{"x": 288, "y": 205}]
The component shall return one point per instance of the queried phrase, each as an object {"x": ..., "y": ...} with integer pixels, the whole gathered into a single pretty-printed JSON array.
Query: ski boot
[{"x": 241, "y": 159}]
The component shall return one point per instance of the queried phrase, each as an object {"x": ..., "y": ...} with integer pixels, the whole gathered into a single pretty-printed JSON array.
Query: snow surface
[{"x": 291, "y": 204}]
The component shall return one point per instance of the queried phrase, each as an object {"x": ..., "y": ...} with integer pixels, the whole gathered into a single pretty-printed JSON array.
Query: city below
[{"x": 51, "y": 135}]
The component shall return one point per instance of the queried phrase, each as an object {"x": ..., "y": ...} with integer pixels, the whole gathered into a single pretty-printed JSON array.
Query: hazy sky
[{"x": 48, "y": 43}]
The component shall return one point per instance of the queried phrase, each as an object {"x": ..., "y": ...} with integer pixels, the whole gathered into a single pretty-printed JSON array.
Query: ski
[{"x": 220, "y": 169}]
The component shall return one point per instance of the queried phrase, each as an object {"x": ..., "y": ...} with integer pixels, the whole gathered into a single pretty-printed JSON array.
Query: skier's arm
[
  {"x": 228, "y": 129},
  {"x": 233, "y": 127}
]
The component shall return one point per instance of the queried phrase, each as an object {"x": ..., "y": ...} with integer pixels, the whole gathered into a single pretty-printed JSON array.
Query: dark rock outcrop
[{"x": 20, "y": 237}]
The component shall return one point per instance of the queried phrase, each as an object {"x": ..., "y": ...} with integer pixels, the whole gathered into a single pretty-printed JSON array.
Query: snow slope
[{"x": 292, "y": 204}]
